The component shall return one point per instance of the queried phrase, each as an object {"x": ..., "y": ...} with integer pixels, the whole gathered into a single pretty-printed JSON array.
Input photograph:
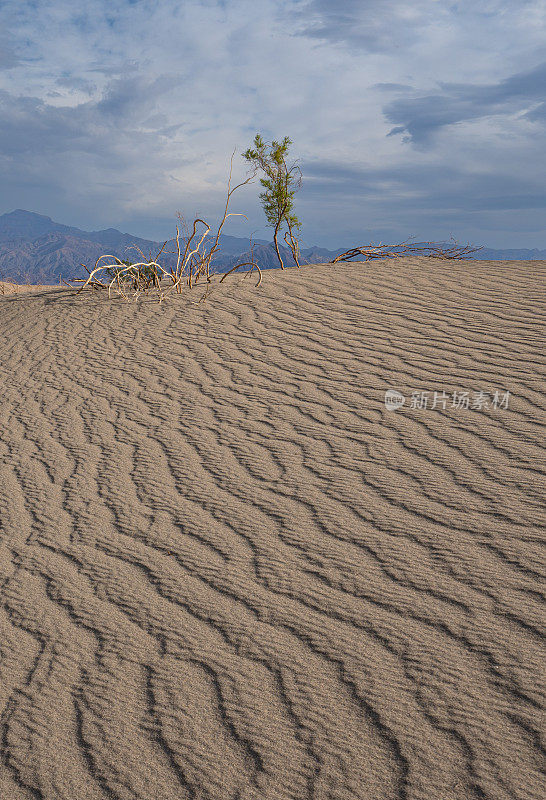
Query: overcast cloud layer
[{"x": 423, "y": 118}]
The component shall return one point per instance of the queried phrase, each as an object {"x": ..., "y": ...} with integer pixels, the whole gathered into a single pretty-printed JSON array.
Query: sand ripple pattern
[{"x": 227, "y": 572}]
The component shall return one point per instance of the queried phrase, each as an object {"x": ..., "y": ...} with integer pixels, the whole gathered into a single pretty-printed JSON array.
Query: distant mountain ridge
[{"x": 35, "y": 249}]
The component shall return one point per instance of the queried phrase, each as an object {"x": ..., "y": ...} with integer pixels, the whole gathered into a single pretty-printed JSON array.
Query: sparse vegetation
[
  {"x": 132, "y": 279},
  {"x": 406, "y": 248},
  {"x": 191, "y": 261},
  {"x": 278, "y": 198}
]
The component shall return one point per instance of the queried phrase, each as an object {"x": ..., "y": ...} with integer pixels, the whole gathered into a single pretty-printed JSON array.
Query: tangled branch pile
[
  {"x": 133, "y": 279},
  {"x": 407, "y": 248}
]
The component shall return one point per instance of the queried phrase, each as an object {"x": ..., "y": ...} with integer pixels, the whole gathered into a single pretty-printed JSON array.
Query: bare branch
[
  {"x": 426, "y": 249},
  {"x": 191, "y": 264}
]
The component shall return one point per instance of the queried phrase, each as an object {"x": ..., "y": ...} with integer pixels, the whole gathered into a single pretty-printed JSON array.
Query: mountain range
[{"x": 35, "y": 249}]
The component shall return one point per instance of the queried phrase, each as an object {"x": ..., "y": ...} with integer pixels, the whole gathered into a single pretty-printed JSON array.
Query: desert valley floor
[{"x": 229, "y": 572}]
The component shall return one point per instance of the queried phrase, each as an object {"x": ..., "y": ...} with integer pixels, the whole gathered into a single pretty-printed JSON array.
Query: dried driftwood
[{"x": 407, "y": 248}]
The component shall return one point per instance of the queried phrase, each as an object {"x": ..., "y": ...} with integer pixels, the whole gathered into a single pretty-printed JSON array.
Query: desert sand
[
  {"x": 6, "y": 287},
  {"x": 229, "y": 572}
]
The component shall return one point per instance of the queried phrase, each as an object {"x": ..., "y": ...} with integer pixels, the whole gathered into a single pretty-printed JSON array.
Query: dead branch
[
  {"x": 405, "y": 248},
  {"x": 293, "y": 244},
  {"x": 191, "y": 264},
  {"x": 244, "y": 264}
]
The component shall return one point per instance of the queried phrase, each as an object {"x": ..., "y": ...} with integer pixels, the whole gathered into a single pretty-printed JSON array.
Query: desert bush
[
  {"x": 132, "y": 279},
  {"x": 278, "y": 199},
  {"x": 143, "y": 275}
]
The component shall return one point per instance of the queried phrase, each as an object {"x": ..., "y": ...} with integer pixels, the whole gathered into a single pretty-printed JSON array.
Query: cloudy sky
[{"x": 421, "y": 118}]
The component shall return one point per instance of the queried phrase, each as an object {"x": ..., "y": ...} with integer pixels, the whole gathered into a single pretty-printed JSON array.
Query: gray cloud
[
  {"x": 128, "y": 98},
  {"x": 93, "y": 154},
  {"x": 392, "y": 87},
  {"x": 123, "y": 113},
  {"x": 379, "y": 26},
  {"x": 431, "y": 186},
  {"x": 76, "y": 82},
  {"x": 426, "y": 201},
  {"x": 8, "y": 56},
  {"x": 373, "y": 25},
  {"x": 422, "y": 116},
  {"x": 32, "y": 126}
]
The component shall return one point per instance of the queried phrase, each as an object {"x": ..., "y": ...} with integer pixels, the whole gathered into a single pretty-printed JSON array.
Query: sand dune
[
  {"x": 6, "y": 287},
  {"x": 228, "y": 572}
]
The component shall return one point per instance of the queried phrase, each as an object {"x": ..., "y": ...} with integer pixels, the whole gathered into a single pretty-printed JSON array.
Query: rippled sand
[
  {"x": 228, "y": 572},
  {"x": 6, "y": 287}
]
